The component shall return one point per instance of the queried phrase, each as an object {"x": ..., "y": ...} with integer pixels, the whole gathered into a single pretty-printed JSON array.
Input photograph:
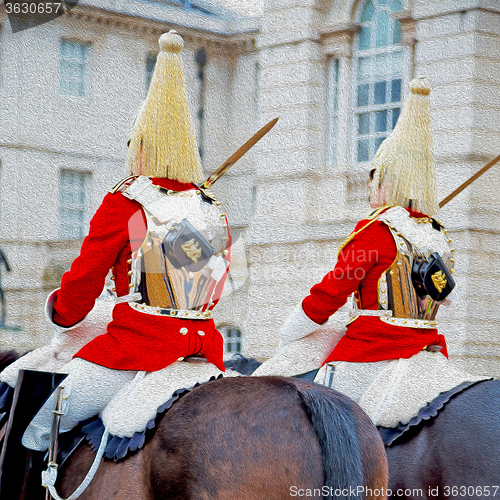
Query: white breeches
[
  {"x": 87, "y": 390},
  {"x": 393, "y": 391}
]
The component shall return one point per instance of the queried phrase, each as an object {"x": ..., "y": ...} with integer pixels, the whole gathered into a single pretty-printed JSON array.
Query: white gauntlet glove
[
  {"x": 304, "y": 346},
  {"x": 66, "y": 342},
  {"x": 296, "y": 326}
]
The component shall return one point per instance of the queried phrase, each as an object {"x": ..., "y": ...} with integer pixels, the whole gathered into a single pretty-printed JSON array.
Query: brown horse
[
  {"x": 454, "y": 454},
  {"x": 248, "y": 439}
]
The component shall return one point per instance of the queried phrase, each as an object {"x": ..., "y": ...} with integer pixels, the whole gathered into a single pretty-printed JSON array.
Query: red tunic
[
  {"x": 134, "y": 340},
  {"x": 360, "y": 265}
]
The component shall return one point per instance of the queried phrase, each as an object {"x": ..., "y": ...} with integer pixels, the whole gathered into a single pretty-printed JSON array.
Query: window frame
[
  {"x": 87, "y": 46},
  {"x": 239, "y": 339},
  {"x": 84, "y": 208}
]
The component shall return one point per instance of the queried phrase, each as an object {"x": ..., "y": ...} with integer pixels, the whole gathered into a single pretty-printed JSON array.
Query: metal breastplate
[
  {"x": 414, "y": 238},
  {"x": 182, "y": 259}
]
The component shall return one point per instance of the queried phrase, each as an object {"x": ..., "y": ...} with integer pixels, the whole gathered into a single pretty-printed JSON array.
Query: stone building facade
[{"x": 336, "y": 73}]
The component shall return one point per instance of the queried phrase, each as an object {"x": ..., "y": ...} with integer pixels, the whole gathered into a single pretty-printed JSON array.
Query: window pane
[
  {"x": 334, "y": 70},
  {"x": 396, "y": 33},
  {"x": 381, "y": 121},
  {"x": 363, "y": 91},
  {"x": 395, "y": 116},
  {"x": 151, "y": 63},
  {"x": 367, "y": 13},
  {"x": 364, "y": 38},
  {"x": 332, "y": 109},
  {"x": 382, "y": 65},
  {"x": 73, "y": 67},
  {"x": 395, "y": 90},
  {"x": 364, "y": 124},
  {"x": 396, "y": 5},
  {"x": 150, "y": 67},
  {"x": 378, "y": 142},
  {"x": 397, "y": 62},
  {"x": 363, "y": 150},
  {"x": 364, "y": 68},
  {"x": 379, "y": 94},
  {"x": 382, "y": 29}
]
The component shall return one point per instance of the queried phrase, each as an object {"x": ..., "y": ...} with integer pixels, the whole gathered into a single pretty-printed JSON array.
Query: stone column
[{"x": 280, "y": 248}]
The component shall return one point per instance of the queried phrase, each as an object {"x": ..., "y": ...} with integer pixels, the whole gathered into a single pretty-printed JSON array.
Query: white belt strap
[{"x": 370, "y": 312}]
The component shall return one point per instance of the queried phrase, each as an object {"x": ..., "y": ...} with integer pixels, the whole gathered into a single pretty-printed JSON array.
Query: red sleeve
[
  {"x": 354, "y": 263},
  {"x": 84, "y": 282}
]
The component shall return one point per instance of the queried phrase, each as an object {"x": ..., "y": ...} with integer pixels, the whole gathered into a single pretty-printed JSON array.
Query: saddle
[{"x": 115, "y": 447}]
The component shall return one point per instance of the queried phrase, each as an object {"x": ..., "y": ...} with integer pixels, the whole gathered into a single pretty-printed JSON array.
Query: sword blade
[
  {"x": 468, "y": 182},
  {"x": 238, "y": 154}
]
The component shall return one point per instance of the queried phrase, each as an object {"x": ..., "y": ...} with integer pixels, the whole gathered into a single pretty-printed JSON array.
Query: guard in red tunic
[
  {"x": 397, "y": 265},
  {"x": 167, "y": 245}
]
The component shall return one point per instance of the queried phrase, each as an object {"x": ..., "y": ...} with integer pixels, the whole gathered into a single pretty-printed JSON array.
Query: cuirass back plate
[
  {"x": 401, "y": 296},
  {"x": 182, "y": 259},
  {"x": 397, "y": 293}
]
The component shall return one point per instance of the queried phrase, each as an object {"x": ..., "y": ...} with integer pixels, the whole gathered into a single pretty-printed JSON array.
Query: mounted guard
[
  {"x": 167, "y": 244},
  {"x": 398, "y": 266}
]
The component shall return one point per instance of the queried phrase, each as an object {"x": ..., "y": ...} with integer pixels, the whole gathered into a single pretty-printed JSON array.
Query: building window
[
  {"x": 74, "y": 67},
  {"x": 187, "y": 4},
  {"x": 150, "y": 67},
  {"x": 378, "y": 60},
  {"x": 73, "y": 201},
  {"x": 232, "y": 340},
  {"x": 332, "y": 110}
]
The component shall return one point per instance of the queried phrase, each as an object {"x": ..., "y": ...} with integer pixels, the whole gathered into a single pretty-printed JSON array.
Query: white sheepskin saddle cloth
[
  {"x": 137, "y": 403},
  {"x": 55, "y": 356},
  {"x": 301, "y": 356},
  {"x": 393, "y": 392}
]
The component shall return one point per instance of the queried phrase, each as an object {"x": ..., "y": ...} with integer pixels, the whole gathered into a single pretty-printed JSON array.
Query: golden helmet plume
[
  {"x": 404, "y": 163},
  {"x": 162, "y": 141}
]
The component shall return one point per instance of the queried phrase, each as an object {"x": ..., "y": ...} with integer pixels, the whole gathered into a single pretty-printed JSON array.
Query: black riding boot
[{"x": 20, "y": 473}]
